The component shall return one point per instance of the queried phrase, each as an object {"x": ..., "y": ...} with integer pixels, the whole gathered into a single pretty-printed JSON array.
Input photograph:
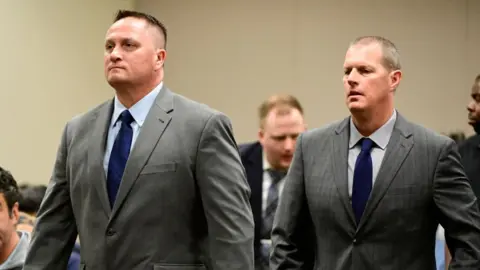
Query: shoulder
[
  {"x": 428, "y": 145},
  {"x": 199, "y": 116},
  {"x": 470, "y": 143},
  {"x": 325, "y": 132},
  {"x": 86, "y": 116},
  {"x": 246, "y": 149},
  {"x": 428, "y": 137},
  {"x": 194, "y": 108},
  {"x": 81, "y": 121}
]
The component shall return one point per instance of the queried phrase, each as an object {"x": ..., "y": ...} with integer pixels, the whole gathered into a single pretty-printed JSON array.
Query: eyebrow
[{"x": 112, "y": 40}]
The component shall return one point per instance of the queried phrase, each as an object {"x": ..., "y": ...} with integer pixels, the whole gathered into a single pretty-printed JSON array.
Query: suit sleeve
[
  {"x": 458, "y": 209},
  {"x": 293, "y": 240},
  {"x": 225, "y": 196},
  {"x": 55, "y": 230}
]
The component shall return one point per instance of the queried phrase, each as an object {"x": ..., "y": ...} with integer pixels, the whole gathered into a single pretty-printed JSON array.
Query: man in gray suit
[
  {"x": 149, "y": 179},
  {"x": 368, "y": 192}
]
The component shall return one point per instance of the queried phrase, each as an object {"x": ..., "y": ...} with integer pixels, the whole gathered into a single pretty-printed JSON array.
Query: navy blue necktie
[
  {"x": 119, "y": 155},
  {"x": 362, "y": 179}
]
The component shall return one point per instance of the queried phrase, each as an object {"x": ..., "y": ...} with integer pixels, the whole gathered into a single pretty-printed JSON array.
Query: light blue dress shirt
[
  {"x": 139, "y": 112},
  {"x": 440, "y": 254},
  {"x": 381, "y": 137}
]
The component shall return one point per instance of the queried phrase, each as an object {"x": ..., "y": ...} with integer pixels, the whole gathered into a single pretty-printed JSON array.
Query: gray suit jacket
[
  {"x": 183, "y": 202},
  {"x": 421, "y": 183}
]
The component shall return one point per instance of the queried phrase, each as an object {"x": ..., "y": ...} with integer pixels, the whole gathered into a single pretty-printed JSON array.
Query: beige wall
[
  {"x": 52, "y": 69},
  {"x": 230, "y": 55},
  {"x": 233, "y": 54}
]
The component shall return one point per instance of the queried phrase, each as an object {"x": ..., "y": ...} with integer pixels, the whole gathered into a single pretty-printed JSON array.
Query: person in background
[
  {"x": 469, "y": 148},
  {"x": 31, "y": 197},
  {"x": 30, "y": 200},
  {"x": 267, "y": 160},
  {"x": 13, "y": 243}
]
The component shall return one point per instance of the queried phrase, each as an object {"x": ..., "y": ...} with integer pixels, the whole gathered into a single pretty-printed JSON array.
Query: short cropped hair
[
  {"x": 391, "y": 56},
  {"x": 476, "y": 84},
  {"x": 9, "y": 188},
  {"x": 151, "y": 20},
  {"x": 287, "y": 102},
  {"x": 31, "y": 198}
]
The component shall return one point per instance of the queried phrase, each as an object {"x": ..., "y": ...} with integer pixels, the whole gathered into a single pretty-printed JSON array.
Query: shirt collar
[
  {"x": 380, "y": 137},
  {"x": 266, "y": 164},
  {"x": 139, "y": 110}
]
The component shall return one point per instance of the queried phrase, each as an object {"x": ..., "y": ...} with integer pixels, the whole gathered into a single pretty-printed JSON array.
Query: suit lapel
[
  {"x": 154, "y": 126},
  {"x": 96, "y": 152},
  {"x": 254, "y": 171},
  {"x": 340, "y": 163},
  {"x": 399, "y": 146}
]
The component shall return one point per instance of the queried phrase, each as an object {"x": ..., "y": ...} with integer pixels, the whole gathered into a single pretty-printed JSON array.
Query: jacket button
[{"x": 110, "y": 232}]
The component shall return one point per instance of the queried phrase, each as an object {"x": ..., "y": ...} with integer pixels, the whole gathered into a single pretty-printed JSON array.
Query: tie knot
[
  {"x": 276, "y": 175},
  {"x": 126, "y": 117},
  {"x": 367, "y": 144}
]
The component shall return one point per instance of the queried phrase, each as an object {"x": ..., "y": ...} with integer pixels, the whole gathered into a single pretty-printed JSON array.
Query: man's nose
[
  {"x": 471, "y": 106},
  {"x": 115, "y": 54},
  {"x": 289, "y": 144},
  {"x": 352, "y": 78}
]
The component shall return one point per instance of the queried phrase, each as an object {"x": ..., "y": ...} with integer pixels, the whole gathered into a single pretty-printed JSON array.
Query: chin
[
  {"x": 286, "y": 164},
  {"x": 355, "y": 107},
  {"x": 115, "y": 80}
]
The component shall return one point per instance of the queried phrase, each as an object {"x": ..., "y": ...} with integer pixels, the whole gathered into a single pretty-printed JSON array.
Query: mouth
[{"x": 354, "y": 93}]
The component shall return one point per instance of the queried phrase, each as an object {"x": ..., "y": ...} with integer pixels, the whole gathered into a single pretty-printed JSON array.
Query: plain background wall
[
  {"x": 52, "y": 70},
  {"x": 230, "y": 55},
  {"x": 233, "y": 54}
]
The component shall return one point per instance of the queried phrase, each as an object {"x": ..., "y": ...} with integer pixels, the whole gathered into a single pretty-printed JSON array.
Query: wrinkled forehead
[
  {"x": 127, "y": 28},
  {"x": 363, "y": 54}
]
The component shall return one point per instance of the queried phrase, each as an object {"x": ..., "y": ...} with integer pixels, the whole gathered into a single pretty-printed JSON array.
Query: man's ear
[
  {"x": 14, "y": 213},
  {"x": 261, "y": 136},
  {"x": 395, "y": 78},
  {"x": 161, "y": 56}
]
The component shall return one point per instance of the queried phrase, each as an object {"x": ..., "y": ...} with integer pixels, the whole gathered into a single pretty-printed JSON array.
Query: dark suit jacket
[
  {"x": 470, "y": 152},
  {"x": 252, "y": 159},
  {"x": 183, "y": 203},
  {"x": 420, "y": 184}
]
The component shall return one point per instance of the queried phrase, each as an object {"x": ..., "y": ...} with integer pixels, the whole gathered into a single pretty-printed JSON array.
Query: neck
[
  {"x": 476, "y": 127},
  {"x": 368, "y": 122},
  {"x": 9, "y": 247},
  {"x": 128, "y": 95}
]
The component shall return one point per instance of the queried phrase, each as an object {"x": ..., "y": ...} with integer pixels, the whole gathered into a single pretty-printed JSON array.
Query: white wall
[
  {"x": 233, "y": 54},
  {"x": 52, "y": 69}
]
